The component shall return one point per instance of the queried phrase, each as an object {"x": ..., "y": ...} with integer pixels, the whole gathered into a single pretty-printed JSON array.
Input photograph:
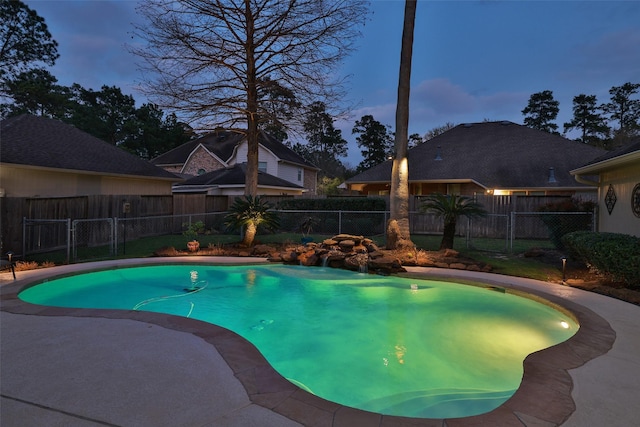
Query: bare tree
[
  {"x": 398, "y": 235},
  {"x": 438, "y": 131},
  {"x": 211, "y": 59}
]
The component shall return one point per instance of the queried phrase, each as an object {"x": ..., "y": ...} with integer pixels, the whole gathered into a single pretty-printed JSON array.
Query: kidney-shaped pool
[{"x": 389, "y": 345}]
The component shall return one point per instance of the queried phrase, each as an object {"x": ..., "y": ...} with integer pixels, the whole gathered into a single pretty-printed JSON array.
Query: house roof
[
  {"x": 494, "y": 155},
  {"x": 47, "y": 143},
  {"x": 233, "y": 177},
  {"x": 622, "y": 155},
  {"x": 223, "y": 144}
]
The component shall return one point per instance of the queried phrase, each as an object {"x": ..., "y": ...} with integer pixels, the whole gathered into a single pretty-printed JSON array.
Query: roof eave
[
  {"x": 606, "y": 164},
  {"x": 313, "y": 168},
  {"x": 424, "y": 181},
  {"x": 567, "y": 188},
  {"x": 204, "y": 187}
]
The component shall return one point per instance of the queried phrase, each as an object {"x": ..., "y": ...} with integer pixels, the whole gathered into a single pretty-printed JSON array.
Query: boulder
[
  {"x": 458, "y": 266},
  {"x": 450, "y": 253},
  {"x": 346, "y": 245}
]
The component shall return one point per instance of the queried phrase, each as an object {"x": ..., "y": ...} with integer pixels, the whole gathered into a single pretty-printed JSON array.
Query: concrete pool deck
[{"x": 86, "y": 367}]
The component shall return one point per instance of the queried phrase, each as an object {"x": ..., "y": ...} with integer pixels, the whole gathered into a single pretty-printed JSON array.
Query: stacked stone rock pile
[
  {"x": 341, "y": 251},
  {"x": 347, "y": 251},
  {"x": 359, "y": 253}
]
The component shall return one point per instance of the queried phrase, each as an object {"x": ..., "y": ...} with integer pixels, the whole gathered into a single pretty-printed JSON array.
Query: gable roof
[
  {"x": 41, "y": 142},
  {"x": 494, "y": 155},
  {"x": 223, "y": 144},
  {"x": 232, "y": 177}
]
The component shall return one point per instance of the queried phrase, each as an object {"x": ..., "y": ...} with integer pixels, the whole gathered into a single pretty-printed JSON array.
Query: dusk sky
[{"x": 472, "y": 60}]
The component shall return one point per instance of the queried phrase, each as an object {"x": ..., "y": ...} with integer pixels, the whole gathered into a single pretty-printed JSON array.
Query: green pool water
[{"x": 390, "y": 345}]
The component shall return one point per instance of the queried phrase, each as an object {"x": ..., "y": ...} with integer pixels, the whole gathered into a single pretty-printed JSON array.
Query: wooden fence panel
[
  {"x": 188, "y": 203},
  {"x": 56, "y": 208},
  {"x": 217, "y": 203}
]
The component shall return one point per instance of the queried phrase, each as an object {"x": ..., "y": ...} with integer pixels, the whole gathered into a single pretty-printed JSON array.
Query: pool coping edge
[{"x": 544, "y": 393}]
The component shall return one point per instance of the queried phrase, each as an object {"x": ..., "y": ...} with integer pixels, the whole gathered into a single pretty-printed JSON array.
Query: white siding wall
[
  {"x": 263, "y": 156},
  {"x": 621, "y": 219},
  {"x": 290, "y": 173},
  {"x": 281, "y": 170}
]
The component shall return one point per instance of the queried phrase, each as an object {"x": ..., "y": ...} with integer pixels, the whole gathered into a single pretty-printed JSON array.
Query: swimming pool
[{"x": 385, "y": 344}]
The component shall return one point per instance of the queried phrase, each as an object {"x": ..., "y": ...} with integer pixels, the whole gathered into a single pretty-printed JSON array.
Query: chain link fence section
[
  {"x": 365, "y": 223},
  {"x": 427, "y": 223},
  {"x": 128, "y": 229},
  {"x": 46, "y": 235},
  {"x": 101, "y": 238},
  {"x": 94, "y": 237},
  {"x": 489, "y": 233},
  {"x": 544, "y": 230}
]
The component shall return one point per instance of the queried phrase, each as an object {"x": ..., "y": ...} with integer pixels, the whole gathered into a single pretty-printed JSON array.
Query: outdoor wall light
[{"x": 564, "y": 268}]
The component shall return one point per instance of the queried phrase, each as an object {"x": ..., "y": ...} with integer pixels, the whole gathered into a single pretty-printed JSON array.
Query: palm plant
[
  {"x": 450, "y": 207},
  {"x": 250, "y": 213}
]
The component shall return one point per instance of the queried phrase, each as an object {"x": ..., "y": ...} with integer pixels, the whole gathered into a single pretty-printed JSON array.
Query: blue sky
[{"x": 473, "y": 60}]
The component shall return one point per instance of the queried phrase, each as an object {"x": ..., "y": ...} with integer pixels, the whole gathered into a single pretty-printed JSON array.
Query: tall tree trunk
[
  {"x": 249, "y": 234},
  {"x": 448, "y": 235},
  {"x": 398, "y": 234},
  {"x": 251, "y": 174}
]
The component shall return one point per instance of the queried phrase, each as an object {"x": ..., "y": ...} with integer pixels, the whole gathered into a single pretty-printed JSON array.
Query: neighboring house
[
  {"x": 230, "y": 182},
  {"x": 499, "y": 158},
  {"x": 46, "y": 158},
  {"x": 223, "y": 149},
  {"x": 618, "y": 181}
]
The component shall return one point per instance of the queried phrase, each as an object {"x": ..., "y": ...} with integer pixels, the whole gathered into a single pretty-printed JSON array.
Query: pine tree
[
  {"x": 592, "y": 126},
  {"x": 541, "y": 111}
]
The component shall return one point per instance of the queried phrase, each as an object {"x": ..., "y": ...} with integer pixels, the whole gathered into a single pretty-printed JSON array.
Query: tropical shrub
[
  {"x": 450, "y": 207},
  {"x": 251, "y": 213}
]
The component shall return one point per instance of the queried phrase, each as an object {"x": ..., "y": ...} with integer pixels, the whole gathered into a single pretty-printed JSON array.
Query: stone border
[{"x": 544, "y": 396}]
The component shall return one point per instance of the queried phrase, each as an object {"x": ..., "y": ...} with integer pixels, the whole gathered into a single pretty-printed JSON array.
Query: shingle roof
[
  {"x": 235, "y": 175},
  {"x": 626, "y": 149},
  {"x": 493, "y": 154},
  {"x": 282, "y": 151},
  {"x": 223, "y": 144},
  {"x": 38, "y": 141}
]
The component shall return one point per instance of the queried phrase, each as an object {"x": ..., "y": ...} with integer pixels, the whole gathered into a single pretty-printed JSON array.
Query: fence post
[
  {"x": 24, "y": 236},
  {"x": 74, "y": 241},
  {"x": 115, "y": 235},
  {"x": 68, "y": 239},
  {"x": 339, "y": 222},
  {"x": 506, "y": 234},
  {"x": 111, "y": 246},
  {"x": 513, "y": 231}
]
